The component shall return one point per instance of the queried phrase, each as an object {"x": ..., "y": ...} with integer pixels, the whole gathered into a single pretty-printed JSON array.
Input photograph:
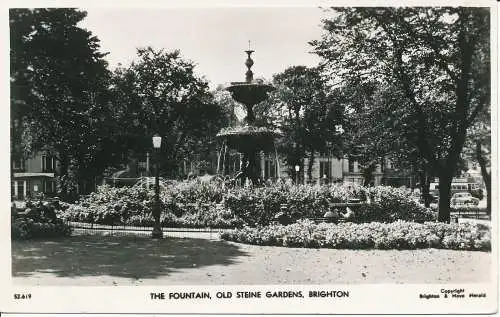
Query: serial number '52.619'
[{"x": 22, "y": 296}]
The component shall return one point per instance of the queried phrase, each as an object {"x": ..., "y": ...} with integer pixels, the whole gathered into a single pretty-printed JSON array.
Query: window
[
  {"x": 48, "y": 163},
  {"x": 20, "y": 189},
  {"x": 49, "y": 186},
  {"x": 18, "y": 164},
  {"x": 13, "y": 189},
  {"x": 269, "y": 168},
  {"x": 351, "y": 166},
  {"x": 324, "y": 169}
]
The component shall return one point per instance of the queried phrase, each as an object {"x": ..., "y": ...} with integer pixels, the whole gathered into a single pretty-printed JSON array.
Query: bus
[{"x": 459, "y": 187}]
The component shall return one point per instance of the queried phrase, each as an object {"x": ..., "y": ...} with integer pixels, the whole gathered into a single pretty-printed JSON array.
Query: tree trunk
[
  {"x": 486, "y": 176},
  {"x": 425, "y": 187},
  {"x": 368, "y": 174},
  {"x": 426, "y": 195},
  {"x": 445, "y": 178},
  {"x": 460, "y": 123},
  {"x": 310, "y": 166},
  {"x": 62, "y": 174},
  {"x": 487, "y": 181}
]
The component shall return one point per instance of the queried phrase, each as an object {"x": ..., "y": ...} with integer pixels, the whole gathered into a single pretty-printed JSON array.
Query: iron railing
[{"x": 83, "y": 228}]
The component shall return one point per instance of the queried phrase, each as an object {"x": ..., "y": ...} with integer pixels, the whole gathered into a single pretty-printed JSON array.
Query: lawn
[{"x": 129, "y": 260}]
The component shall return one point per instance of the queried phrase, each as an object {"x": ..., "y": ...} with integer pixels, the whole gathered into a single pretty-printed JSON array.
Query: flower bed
[
  {"x": 211, "y": 204},
  {"x": 396, "y": 235}
]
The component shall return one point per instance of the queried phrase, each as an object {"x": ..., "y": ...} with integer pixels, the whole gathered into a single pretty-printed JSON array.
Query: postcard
[{"x": 278, "y": 157}]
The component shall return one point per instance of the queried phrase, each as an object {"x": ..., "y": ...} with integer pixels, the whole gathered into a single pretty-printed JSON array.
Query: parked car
[{"x": 464, "y": 199}]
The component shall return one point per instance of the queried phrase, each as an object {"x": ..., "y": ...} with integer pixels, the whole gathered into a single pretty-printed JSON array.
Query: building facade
[
  {"x": 325, "y": 169},
  {"x": 34, "y": 176}
]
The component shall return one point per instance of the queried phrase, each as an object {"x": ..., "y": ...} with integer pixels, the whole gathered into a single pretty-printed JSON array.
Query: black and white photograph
[{"x": 251, "y": 158}]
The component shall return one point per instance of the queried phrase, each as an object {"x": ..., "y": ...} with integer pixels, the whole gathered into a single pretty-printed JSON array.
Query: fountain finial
[{"x": 249, "y": 64}]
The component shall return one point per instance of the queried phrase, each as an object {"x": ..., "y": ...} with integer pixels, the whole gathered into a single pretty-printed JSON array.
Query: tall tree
[
  {"x": 370, "y": 102},
  {"x": 306, "y": 111},
  {"x": 438, "y": 59},
  {"x": 229, "y": 106},
  {"x": 58, "y": 77},
  {"x": 160, "y": 93}
]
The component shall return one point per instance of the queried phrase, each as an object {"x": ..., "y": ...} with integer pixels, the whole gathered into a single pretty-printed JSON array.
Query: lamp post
[
  {"x": 329, "y": 166},
  {"x": 297, "y": 169},
  {"x": 157, "y": 233}
]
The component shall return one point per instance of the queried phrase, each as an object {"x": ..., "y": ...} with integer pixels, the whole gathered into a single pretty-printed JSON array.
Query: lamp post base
[{"x": 157, "y": 233}]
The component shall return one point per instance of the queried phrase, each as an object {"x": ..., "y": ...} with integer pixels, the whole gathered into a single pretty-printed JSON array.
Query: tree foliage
[
  {"x": 306, "y": 111},
  {"x": 160, "y": 93},
  {"x": 433, "y": 61},
  {"x": 58, "y": 79}
]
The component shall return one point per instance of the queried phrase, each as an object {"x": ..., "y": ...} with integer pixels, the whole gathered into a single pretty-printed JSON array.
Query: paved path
[{"x": 97, "y": 260}]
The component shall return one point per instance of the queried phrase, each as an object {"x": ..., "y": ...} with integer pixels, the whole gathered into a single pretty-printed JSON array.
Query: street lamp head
[
  {"x": 297, "y": 168},
  {"x": 339, "y": 129},
  {"x": 156, "y": 141}
]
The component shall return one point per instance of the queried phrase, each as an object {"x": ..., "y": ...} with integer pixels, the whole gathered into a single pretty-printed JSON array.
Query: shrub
[
  {"x": 375, "y": 235},
  {"x": 112, "y": 206},
  {"x": 258, "y": 206},
  {"x": 388, "y": 204},
  {"x": 211, "y": 204},
  {"x": 187, "y": 192},
  {"x": 179, "y": 204},
  {"x": 39, "y": 220}
]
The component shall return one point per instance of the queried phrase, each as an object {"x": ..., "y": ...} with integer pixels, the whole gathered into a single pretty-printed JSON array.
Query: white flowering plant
[{"x": 376, "y": 235}]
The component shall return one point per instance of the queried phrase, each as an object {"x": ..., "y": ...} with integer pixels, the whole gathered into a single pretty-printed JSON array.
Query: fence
[{"x": 82, "y": 228}]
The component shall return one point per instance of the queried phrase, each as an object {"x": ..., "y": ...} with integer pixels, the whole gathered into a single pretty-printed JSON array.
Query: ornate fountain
[{"x": 249, "y": 140}]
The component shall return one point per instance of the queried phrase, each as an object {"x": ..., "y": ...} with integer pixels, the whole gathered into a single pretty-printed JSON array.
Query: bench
[{"x": 326, "y": 220}]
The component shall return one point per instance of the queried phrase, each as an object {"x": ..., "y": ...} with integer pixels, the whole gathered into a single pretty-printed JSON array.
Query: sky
[{"x": 213, "y": 38}]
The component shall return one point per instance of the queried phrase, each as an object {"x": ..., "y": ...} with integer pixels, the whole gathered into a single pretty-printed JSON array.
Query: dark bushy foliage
[
  {"x": 112, "y": 206},
  {"x": 38, "y": 220},
  {"x": 381, "y": 204},
  {"x": 183, "y": 204},
  {"x": 258, "y": 206},
  {"x": 388, "y": 204},
  {"x": 375, "y": 235}
]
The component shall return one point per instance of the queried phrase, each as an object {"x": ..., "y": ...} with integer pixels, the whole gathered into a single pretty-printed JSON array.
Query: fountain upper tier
[{"x": 249, "y": 93}]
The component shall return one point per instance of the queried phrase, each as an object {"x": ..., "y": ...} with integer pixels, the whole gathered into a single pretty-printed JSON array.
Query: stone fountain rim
[
  {"x": 247, "y": 130},
  {"x": 250, "y": 84}
]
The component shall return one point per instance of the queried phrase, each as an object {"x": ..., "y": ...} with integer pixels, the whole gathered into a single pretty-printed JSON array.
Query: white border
[{"x": 369, "y": 298}]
